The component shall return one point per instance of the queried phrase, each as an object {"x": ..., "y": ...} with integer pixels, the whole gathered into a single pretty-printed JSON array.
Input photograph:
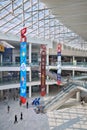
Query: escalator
[
  {"x": 52, "y": 75},
  {"x": 63, "y": 96}
]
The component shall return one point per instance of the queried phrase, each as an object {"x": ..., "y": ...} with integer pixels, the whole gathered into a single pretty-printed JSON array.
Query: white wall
[{"x": 66, "y": 50}]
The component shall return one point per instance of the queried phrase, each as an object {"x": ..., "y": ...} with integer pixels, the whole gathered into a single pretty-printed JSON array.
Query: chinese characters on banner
[
  {"x": 23, "y": 47},
  {"x": 59, "y": 64},
  {"x": 43, "y": 70}
]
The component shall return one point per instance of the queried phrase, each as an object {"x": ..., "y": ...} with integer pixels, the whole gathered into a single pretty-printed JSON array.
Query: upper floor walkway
[{"x": 79, "y": 66}]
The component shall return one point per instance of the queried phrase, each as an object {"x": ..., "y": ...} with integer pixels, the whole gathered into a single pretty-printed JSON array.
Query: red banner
[{"x": 43, "y": 70}]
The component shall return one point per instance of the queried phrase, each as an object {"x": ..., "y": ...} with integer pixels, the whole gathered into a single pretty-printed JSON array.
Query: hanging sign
[
  {"x": 43, "y": 70},
  {"x": 23, "y": 47},
  {"x": 59, "y": 64}
]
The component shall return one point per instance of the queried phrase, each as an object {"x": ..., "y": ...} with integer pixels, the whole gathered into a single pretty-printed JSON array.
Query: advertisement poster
[
  {"x": 23, "y": 47},
  {"x": 43, "y": 70},
  {"x": 59, "y": 64}
]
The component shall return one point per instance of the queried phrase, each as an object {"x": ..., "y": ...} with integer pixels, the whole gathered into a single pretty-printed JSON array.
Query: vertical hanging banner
[
  {"x": 59, "y": 64},
  {"x": 43, "y": 70},
  {"x": 23, "y": 47}
]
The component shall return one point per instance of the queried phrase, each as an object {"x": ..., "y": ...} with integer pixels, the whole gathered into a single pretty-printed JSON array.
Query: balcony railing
[
  {"x": 18, "y": 64},
  {"x": 37, "y": 64}
]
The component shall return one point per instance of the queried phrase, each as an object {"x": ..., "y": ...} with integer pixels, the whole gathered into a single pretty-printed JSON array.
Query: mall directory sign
[
  {"x": 59, "y": 64},
  {"x": 23, "y": 46},
  {"x": 43, "y": 70}
]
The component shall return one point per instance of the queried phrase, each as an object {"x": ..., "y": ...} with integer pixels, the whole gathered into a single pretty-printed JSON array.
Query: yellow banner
[{"x": 2, "y": 49}]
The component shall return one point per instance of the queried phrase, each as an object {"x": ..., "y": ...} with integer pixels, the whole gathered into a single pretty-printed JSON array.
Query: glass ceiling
[{"x": 14, "y": 14}]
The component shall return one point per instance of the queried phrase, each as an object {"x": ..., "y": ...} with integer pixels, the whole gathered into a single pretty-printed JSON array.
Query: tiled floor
[
  {"x": 31, "y": 120},
  {"x": 73, "y": 118},
  {"x": 70, "y": 118}
]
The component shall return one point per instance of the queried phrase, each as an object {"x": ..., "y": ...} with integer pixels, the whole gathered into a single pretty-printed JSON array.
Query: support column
[
  {"x": 73, "y": 74},
  {"x": 30, "y": 93},
  {"x": 30, "y": 82},
  {"x": 1, "y": 76},
  {"x": 1, "y": 59},
  {"x": 47, "y": 62},
  {"x": 73, "y": 58},
  {"x": 30, "y": 48},
  {"x": 30, "y": 76},
  {"x": 78, "y": 96},
  {"x": 29, "y": 90},
  {"x": 47, "y": 58},
  {"x": 1, "y": 93},
  {"x": 47, "y": 90}
]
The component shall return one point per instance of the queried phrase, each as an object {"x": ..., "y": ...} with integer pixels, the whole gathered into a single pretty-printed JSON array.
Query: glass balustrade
[
  {"x": 59, "y": 95},
  {"x": 18, "y": 64},
  {"x": 10, "y": 80},
  {"x": 13, "y": 81},
  {"x": 37, "y": 64},
  {"x": 70, "y": 86}
]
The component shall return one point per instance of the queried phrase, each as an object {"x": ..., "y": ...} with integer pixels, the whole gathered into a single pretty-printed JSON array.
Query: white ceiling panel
[{"x": 72, "y": 13}]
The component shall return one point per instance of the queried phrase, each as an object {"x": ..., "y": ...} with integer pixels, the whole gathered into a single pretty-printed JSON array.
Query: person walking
[
  {"x": 27, "y": 105},
  {"x": 20, "y": 103},
  {"x": 15, "y": 121},
  {"x": 8, "y": 108},
  {"x": 21, "y": 118}
]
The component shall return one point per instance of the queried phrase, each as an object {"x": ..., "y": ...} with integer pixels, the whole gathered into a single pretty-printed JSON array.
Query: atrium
[{"x": 43, "y": 63}]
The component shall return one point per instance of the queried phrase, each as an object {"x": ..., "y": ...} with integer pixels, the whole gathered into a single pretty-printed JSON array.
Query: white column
[
  {"x": 73, "y": 74},
  {"x": 1, "y": 76},
  {"x": 47, "y": 63},
  {"x": 84, "y": 60},
  {"x": 47, "y": 90},
  {"x": 30, "y": 75},
  {"x": 1, "y": 93},
  {"x": 78, "y": 96},
  {"x": 30, "y": 81},
  {"x": 1, "y": 59},
  {"x": 47, "y": 60},
  {"x": 29, "y": 90},
  {"x": 73, "y": 58},
  {"x": 30, "y": 49},
  {"x": 47, "y": 57}
]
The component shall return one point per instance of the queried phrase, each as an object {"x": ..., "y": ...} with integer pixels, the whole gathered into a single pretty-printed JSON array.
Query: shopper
[
  {"x": 15, "y": 119},
  {"x": 27, "y": 105},
  {"x": 20, "y": 102},
  {"x": 8, "y": 108},
  {"x": 21, "y": 116}
]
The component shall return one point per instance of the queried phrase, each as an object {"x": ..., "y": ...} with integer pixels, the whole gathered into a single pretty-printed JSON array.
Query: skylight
[{"x": 37, "y": 18}]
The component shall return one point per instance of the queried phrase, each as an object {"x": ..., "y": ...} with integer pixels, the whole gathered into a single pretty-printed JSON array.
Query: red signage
[
  {"x": 43, "y": 70},
  {"x": 23, "y": 37}
]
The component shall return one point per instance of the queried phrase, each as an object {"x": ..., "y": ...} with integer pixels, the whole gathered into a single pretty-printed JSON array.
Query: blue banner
[
  {"x": 23, "y": 71},
  {"x": 59, "y": 64}
]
